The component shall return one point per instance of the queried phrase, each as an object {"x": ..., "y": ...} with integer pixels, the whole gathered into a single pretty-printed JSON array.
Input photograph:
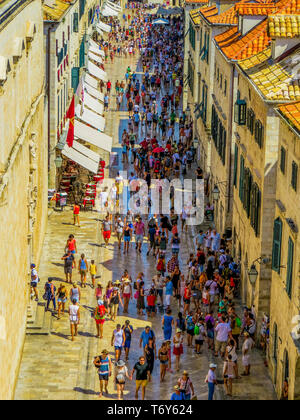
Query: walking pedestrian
[
  {"x": 211, "y": 380},
  {"x": 74, "y": 315},
  {"x": 142, "y": 376},
  {"x": 104, "y": 366}
]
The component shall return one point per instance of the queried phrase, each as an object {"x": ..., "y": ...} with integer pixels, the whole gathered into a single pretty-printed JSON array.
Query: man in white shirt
[
  {"x": 223, "y": 332},
  {"x": 34, "y": 282},
  {"x": 211, "y": 380},
  {"x": 246, "y": 351}
]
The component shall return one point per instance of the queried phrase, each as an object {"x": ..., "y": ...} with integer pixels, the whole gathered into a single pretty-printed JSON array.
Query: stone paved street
[{"x": 54, "y": 367}]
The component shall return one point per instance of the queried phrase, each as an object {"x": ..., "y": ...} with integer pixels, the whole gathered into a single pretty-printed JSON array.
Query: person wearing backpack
[
  {"x": 121, "y": 373},
  {"x": 199, "y": 332},
  {"x": 190, "y": 328},
  {"x": 99, "y": 316},
  {"x": 210, "y": 324}
]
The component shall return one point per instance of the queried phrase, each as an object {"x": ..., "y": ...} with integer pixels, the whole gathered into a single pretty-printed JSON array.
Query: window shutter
[
  {"x": 282, "y": 159},
  {"x": 75, "y": 78},
  {"x": 236, "y": 156},
  {"x": 276, "y": 254},
  {"x": 294, "y": 175},
  {"x": 75, "y": 22},
  {"x": 257, "y": 211},
  {"x": 290, "y": 263},
  {"x": 242, "y": 174}
]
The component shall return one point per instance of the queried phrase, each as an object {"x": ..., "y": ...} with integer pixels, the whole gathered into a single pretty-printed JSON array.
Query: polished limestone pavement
[{"x": 54, "y": 367}]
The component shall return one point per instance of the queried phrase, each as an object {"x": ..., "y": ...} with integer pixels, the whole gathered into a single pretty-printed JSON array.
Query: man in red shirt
[
  {"x": 76, "y": 211},
  {"x": 108, "y": 86}
]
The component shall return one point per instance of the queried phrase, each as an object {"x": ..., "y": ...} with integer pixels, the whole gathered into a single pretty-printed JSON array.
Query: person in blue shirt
[
  {"x": 167, "y": 324},
  {"x": 169, "y": 292},
  {"x": 177, "y": 395},
  {"x": 146, "y": 335}
]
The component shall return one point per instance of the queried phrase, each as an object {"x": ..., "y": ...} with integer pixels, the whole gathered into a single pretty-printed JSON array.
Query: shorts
[
  {"x": 118, "y": 348},
  {"x": 82, "y": 272},
  {"x": 140, "y": 383},
  {"x": 160, "y": 292},
  {"x": 175, "y": 251},
  {"x": 212, "y": 299},
  {"x": 168, "y": 300},
  {"x": 139, "y": 238},
  {"x": 106, "y": 234},
  {"x": 127, "y": 238},
  {"x": 220, "y": 346},
  {"x": 100, "y": 321},
  {"x": 151, "y": 309},
  {"x": 74, "y": 322},
  {"x": 191, "y": 332},
  {"x": 200, "y": 342},
  {"x": 59, "y": 300},
  {"x": 164, "y": 362},
  {"x": 103, "y": 377},
  {"x": 126, "y": 295},
  {"x": 127, "y": 344},
  {"x": 33, "y": 284},
  {"x": 73, "y": 252},
  {"x": 211, "y": 334},
  {"x": 187, "y": 301}
]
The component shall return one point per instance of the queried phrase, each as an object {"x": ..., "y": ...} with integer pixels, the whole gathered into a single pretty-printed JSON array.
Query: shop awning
[
  {"x": 96, "y": 72},
  {"x": 95, "y": 48},
  {"x": 93, "y": 104},
  {"x": 82, "y": 160},
  {"x": 89, "y": 80},
  {"x": 104, "y": 26},
  {"x": 63, "y": 138},
  {"x": 90, "y": 117},
  {"x": 94, "y": 92},
  {"x": 92, "y": 136},
  {"x": 107, "y": 11},
  {"x": 86, "y": 151},
  {"x": 95, "y": 57},
  {"x": 114, "y": 6}
]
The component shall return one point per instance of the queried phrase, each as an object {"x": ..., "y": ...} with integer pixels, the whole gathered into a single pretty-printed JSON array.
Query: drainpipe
[{"x": 48, "y": 94}]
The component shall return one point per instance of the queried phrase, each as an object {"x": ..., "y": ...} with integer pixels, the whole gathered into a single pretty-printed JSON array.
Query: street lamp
[
  {"x": 216, "y": 193},
  {"x": 58, "y": 161},
  {"x": 253, "y": 274}
]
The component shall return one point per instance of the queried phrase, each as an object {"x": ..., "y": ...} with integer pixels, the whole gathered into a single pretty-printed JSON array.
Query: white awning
[
  {"x": 93, "y": 104},
  {"x": 86, "y": 151},
  {"x": 95, "y": 71},
  {"x": 88, "y": 79},
  {"x": 95, "y": 48},
  {"x": 95, "y": 57},
  {"x": 90, "y": 117},
  {"x": 99, "y": 31},
  {"x": 4, "y": 67},
  {"x": 104, "y": 26},
  {"x": 92, "y": 136},
  {"x": 107, "y": 11},
  {"x": 81, "y": 159},
  {"x": 18, "y": 47},
  {"x": 94, "y": 92},
  {"x": 114, "y": 6}
]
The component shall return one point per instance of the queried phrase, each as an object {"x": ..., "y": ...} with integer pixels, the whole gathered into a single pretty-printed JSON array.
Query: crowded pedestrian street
[{"x": 141, "y": 306}]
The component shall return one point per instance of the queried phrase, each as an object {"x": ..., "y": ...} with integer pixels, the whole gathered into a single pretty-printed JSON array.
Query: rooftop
[
  {"x": 277, "y": 81},
  {"x": 291, "y": 112},
  {"x": 211, "y": 14},
  {"x": 235, "y": 46},
  {"x": 54, "y": 10},
  {"x": 284, "y": 26}
]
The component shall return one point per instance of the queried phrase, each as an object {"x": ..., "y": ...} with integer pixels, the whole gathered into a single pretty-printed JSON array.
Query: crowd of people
[{"x": 195, "y": 299}]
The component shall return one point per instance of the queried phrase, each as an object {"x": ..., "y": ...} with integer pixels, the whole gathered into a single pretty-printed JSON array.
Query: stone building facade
[
  {"x": 66, "y": 29},
  {"x": 284, "y": 350},
  {"x": 23, "y": 173}
]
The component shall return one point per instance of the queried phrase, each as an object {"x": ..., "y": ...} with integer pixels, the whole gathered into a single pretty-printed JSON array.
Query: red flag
[{"x": 71, "y": 115}]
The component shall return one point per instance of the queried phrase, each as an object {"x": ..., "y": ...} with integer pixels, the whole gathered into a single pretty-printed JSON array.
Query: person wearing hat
[
  {"x": 211, "y": 380},
  {"x": 177, "y": 395},
  {"x": 178, "y": 347},
  {"x": 121, "y": 373},
  {"x": 126, "y": 293},
  {"x": 34, "y": 282},
  {"x": 115, "y": 300},
  {"x": 104, "y": 365},
  {"x": 186, "y": 386}
]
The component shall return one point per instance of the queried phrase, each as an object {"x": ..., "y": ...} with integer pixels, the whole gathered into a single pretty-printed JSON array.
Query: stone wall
[{"x": 23, "y": 189}]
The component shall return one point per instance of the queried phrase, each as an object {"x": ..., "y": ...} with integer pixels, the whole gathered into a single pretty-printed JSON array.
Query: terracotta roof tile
[
  {"x": 292, "y": 113},
  {"x": 255, "y": 9},
  {"x": 277, "y": 81},
  {"x": 196, "y": 1},
  {"x": 284, "y": 26}
]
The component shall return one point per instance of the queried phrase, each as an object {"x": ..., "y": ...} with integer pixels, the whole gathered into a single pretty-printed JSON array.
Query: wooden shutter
[
  {"x": 242, "y": 174},
  {"x": 282, "y": 159},
  {"x": 75, "y": 78},
  {"x": 294, "y": 175},
  {"x": 276, "y": 253},
  {"x": 290, "y": 263},
  {"x": 236, "y": 156}
]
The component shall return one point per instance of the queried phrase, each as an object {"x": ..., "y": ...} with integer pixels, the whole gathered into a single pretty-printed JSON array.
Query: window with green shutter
[
  {"x": 290, "y": 264},
  {"x": 82, "y": 53},
  {"x": 250, "y": 120},
  {"x": 75, "y": 78},
  {"x": 276, "y": 253},
  {"x": 242, "y": 174},
  {"x": 294, "y": 180},
  {"x": 236, "y": 157},
  {"x": 75, "y": 22},
  {"x": 240, "y": 110},
  {"x": 282, "y": 159}
]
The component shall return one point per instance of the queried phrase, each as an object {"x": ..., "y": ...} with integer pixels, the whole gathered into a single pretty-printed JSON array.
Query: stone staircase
[{"x": 39, "y": 322}]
